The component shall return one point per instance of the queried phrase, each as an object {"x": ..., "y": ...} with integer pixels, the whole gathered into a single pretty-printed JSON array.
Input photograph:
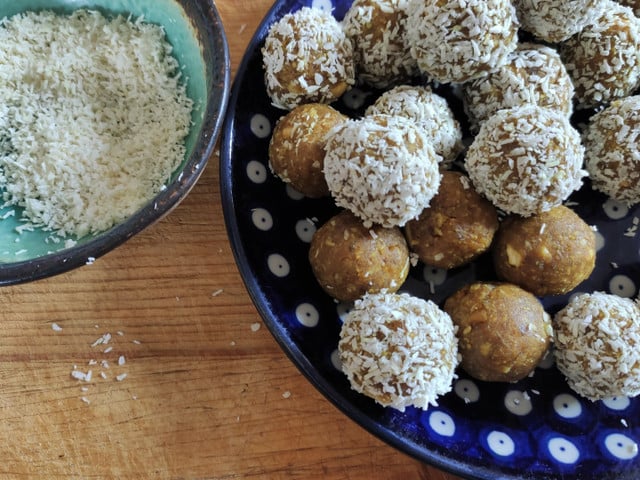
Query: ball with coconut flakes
[
  {"x": 454, "y": 41},
  {"x": 603, "y": 59},
  {"x": 556, "y": 20},
  {"x": 377, "y": 30},
  {"x": 612, "y": 150},
  {"x": 597, "y": 345},
  {"x": 429, "y": 111},
  {"x": 526, "y": 160},
  {"x": 382, "y": 168},
  {"x": 399, "y": 350},
  {"x": 533, "y": 74},
  {"x": 307, "y": 58}
]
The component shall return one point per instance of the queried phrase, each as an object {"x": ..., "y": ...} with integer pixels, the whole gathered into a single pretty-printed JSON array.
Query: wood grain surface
[{"x": 208, "y": 394}]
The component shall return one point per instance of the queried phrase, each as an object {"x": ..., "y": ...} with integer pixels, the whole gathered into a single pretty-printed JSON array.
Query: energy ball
[
  {"x": 377, "y": 30},
  {"x": 307, "y": 58},
  {"x": 454, "y": 41},
  {"x": 533, "y": 74},
  {"x": 526, "y": 160},
  {"x": 547, "y": 254},
  {"x": 399, "y": 350},
  {"x": 429, "y": 111},
  {"x": 603, "y": 59},
  {"x": 556, "y": 20},
  {"x": 296, "y": 149},
  {"x": 597, "y": 345},
  {"x": 457, "y": 226},
  {"x": 503, "y": 330},
  {"x": 349, "y": 260},
  {"x": 612, "y": 150},
  {"x": 383, "y": 168}
]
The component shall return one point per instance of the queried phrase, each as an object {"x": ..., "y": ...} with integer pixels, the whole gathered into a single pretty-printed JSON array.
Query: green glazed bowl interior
[{"x": 195, "y": 31}]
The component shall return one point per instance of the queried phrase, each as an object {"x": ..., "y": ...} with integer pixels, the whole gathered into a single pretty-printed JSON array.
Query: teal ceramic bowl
[{"x": 195, "y": 31}]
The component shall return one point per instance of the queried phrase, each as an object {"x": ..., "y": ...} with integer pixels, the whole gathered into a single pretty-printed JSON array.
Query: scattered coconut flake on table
[
  {"x": 255, "y": 327},
  {"x": 55, "y": 327}
]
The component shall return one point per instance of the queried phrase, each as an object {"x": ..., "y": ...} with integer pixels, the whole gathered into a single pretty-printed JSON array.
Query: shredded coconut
[
  {"x": 556, "y": 20},
  {"x": 429, "y": 111},
  {"x": 94, "y": 111},
  {"x": 457, "y": 41},
  {"x": 526, "y": 159},
  {"x": 612, "y": 157}
]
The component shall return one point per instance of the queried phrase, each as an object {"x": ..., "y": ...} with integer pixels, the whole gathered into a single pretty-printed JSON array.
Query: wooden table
[{"x": 208, "y": 394}]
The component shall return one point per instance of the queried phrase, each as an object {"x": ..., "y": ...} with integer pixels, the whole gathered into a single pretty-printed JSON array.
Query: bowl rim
[{"x": 218, "y": 91}]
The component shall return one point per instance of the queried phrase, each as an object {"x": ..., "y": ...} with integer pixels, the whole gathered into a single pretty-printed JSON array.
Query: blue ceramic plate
[
  {"x": 537, "y": 428},
  {"x": 195, "y": 31}
]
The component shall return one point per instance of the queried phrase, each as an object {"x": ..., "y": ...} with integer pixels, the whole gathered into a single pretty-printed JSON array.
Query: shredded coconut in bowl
[
  {"x": 93, "y": 116},
  {"x": 383, "y": 168},
  {"x": 399, "y": 350},
  {"x": 597, "y": 345}
]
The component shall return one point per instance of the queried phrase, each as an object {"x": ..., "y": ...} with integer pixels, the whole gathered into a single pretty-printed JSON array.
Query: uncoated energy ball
[
  {"x": 503, "y": 330},
  {"x": 349, "y": 260}
]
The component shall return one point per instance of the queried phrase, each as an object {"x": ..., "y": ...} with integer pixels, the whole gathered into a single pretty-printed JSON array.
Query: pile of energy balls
[{"x": 390, "y": 172}]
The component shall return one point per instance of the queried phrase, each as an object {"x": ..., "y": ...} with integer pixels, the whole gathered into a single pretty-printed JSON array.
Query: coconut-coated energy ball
[
  {"x": 349, "y": 259},
  {"x": 597, "y": 345},
  {"x": 457, "y": 227},
  {"x": 556, "y": 20},
  {"x": 399, "y": 350},
  {"x": 533, "y": 74},
  {"x": 454, "y": 41},
  {"x": 377, "y": 30},
  {"x": 612, "y": 150},
  {"x": 602, "y": 59},
  {"x": 550, "y": 253},
  {"x": 526, "y": 160},
  {"x": 429, "y": 111},
  {"x": 383, "y": 168},
  {"x": 296, "y": 148},
  {"x": 307, "y": 58},
  {"x": 503, "y": 330}
]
